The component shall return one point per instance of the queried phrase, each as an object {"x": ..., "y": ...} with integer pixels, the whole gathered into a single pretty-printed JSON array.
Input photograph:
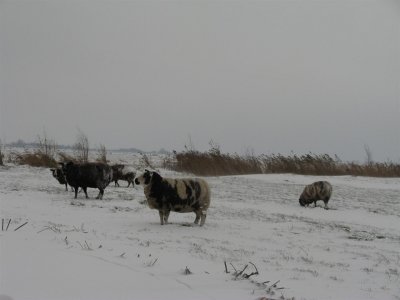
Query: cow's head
[
  {"x": 58, "y": 174},
  {"x": 147, "y": 177},
  {"x": 54, "y": 172}
]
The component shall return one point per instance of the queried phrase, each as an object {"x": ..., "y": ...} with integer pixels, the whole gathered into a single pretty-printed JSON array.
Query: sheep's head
[
  {"x": 147, "y": 177},
  {"x": 302, "y": 201}
]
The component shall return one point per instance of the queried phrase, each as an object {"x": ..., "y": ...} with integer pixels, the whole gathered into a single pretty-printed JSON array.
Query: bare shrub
[
  {"x": 46, "y": 146},
  {"x": 145, "y": 162},
  {"x": 102, "y": 154},
  {"x": 81, "y": 147}
]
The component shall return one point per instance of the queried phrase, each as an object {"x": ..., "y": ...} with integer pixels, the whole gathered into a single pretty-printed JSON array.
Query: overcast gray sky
[{"x": 269, "y": 76}]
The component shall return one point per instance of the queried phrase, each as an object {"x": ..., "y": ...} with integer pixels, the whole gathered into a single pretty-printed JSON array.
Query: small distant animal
[
  {"x": 93, "y": 175},
  {"x": 122, "y": 172},
  {"x": 178, "y": 195},
  {"x": 319, "y": 190},
  {"x": 60, "y": 176}
]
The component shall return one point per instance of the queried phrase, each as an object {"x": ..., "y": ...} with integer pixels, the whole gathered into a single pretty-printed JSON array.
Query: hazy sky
[{"x": 269, "y": 76}]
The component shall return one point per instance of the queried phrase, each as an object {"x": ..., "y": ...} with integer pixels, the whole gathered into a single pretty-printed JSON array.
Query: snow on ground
[{"x": 115, "y": 248}]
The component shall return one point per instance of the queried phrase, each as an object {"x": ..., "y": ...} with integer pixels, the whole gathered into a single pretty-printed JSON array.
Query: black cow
[
  {"x": 121, "y": 172},
  {"x": 93, "y": 175}
]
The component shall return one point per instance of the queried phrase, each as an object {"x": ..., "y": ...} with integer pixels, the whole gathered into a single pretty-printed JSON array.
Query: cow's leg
[
  {"x": 66, "y": 187},
  {"x": 315, "y": 203},
  {"x": 129, "y": 183},
  {"x": 101, "y": 193},
  {"x": 76, "y": 191},
  {"x": 85, "y": 191},
  {"x": 161, "y": 213},
  {"x": 166, "y": 216}
]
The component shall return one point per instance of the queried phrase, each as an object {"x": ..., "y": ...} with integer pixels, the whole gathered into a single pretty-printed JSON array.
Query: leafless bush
[
  {"x": 102, "y": 154},
  {"x": 46, "y": 146},
  {"x": 42, "y": 156},
  {"x": 145, "y": 162},
  {"x": 81, "y": 147}
]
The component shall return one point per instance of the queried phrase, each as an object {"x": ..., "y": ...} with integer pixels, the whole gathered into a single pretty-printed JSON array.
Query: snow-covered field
[{"x": 115, "y": 248}]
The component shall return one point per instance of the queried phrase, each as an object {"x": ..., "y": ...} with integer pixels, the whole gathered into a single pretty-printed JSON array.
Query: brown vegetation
[
  {"x": 215, "y": 163},
  {"x": 42, "y": 156},
  {"x": 36, "y": 159}
]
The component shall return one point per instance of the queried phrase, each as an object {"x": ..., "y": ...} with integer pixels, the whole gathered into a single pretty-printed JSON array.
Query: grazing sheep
[
  {"x": 179, "y": 195},
  {"x": 121, "y": 172},
  {"x": 60, "y": 176},
  {"x": 320, "y": 190},
  {"x": 93, "y": 175}
]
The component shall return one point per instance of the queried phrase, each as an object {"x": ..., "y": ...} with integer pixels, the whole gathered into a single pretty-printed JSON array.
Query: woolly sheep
[
  {"x": 179, "y": 195},
  {"x": 319, "y": 190}
]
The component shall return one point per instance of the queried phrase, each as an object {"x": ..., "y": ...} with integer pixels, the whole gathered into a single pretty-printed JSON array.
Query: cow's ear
[
  {"x": 61, "y": 164},
  {"x": 52, "y": 170}
]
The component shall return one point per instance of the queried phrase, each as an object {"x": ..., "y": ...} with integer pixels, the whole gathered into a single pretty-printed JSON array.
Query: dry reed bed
[{"x": 218, "y": 164}]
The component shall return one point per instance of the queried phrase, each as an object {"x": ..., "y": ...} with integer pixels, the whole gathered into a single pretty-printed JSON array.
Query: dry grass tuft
[
  {"x": 36, "y": 159},
  {"x": 42, "y": 156}
]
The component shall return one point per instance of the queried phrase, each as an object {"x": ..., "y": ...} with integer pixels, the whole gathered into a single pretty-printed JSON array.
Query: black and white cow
[
  {"x": 179, "y": 195},
  {"x": 319, "y": 190},
  {"x": 92, "y": 175}
]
